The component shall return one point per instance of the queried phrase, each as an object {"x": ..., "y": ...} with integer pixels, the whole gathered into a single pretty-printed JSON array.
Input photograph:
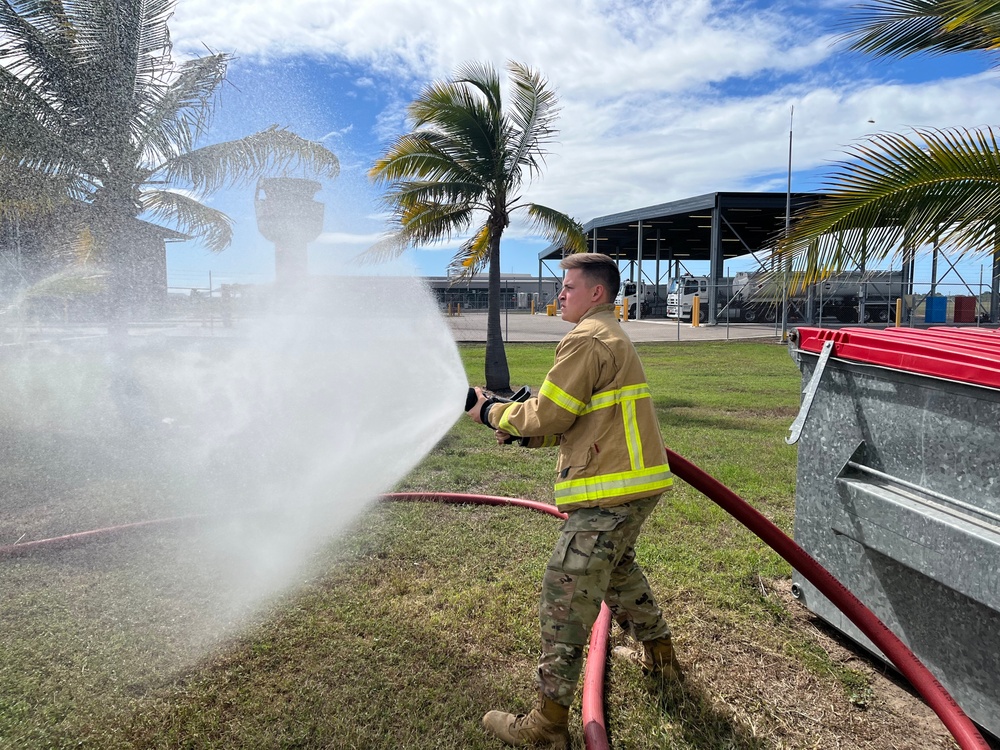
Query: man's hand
[
  {"x": 475, "y": 411},
  {"x": 503, "y": 438}
]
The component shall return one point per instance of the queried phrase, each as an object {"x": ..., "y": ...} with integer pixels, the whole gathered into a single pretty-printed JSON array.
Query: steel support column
[
  {"x": 995, "y": 283},
  {"x": 638, "y": 283},
  {"x": 715, "y": 262}
]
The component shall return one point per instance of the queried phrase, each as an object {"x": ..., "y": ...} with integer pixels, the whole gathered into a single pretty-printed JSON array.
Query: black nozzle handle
[{"x": 522, "y": 394}]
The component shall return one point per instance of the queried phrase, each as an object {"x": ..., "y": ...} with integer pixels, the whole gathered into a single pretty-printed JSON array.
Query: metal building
[
  {"x": 715, "y": 227},
  {"x": 710, "y": 227}
]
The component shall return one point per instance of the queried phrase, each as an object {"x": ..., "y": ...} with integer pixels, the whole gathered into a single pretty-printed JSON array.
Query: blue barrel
[{"x": 936, "y": 309}]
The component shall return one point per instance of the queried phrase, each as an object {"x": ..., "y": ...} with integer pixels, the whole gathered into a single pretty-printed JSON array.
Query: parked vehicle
[
  {"x": 849, "y": 297},
  {"x": 628, "y": 296},
  {"x": 680, "y": 296}
]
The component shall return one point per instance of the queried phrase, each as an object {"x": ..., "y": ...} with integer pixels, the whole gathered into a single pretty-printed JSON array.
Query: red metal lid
[{"x": 968, "y": 355}]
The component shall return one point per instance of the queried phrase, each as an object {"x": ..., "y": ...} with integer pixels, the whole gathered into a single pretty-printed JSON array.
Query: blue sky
[{"x": 660, "y": 101}]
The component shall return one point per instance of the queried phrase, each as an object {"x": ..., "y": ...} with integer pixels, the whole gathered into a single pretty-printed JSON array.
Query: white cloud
[
  {"x": 586, "y": 47},
  {"x": 660, "y": 100},
  {"x": 337, "y": 134},
  {"x": 612, "y": 157},
  {"x": 348, "y": 239}
]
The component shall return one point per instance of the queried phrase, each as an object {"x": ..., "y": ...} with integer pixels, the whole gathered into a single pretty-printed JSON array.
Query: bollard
[
  {"x": 624, "y": 313},
  {"x": 458, "y": 309},
  {"x": 899, "y": 312},
  {"x": 532, "y": 305},
  {"x": 695, "y": 311}
]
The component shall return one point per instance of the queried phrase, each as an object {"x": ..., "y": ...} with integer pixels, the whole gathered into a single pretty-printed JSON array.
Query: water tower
[{"x": 288, "y": 216}]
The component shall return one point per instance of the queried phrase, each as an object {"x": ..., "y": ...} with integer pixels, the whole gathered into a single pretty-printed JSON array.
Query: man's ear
[{"x": 598, "y": 292}]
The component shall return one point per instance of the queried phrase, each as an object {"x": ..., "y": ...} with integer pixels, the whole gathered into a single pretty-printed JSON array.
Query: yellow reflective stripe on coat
[
  {"x": 627, "y": 397},
  {"x": 505, "y": 424},
  {"x": 605, "y": 399},
  {"x": 589, "y": 489},
  {"x": 632, "y": 438},
  {"x": 562, "y": 399}
]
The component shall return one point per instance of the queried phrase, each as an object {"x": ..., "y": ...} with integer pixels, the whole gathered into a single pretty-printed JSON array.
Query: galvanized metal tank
[{"x": 898, "y": 493}]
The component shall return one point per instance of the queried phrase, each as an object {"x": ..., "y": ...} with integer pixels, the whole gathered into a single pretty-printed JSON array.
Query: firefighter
[{"x": 612, "y": 469}]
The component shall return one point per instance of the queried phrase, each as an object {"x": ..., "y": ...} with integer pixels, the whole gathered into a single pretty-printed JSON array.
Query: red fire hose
[
  {"x": 960, "y": 726},
  {"x": 595, "y": 731},
  {"x": 82, "y": 537}
]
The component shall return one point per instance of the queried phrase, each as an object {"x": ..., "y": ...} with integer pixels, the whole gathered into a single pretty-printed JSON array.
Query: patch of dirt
[{"x": 785, "y": 705}]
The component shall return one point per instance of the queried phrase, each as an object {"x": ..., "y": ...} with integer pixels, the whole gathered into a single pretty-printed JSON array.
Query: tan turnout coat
[{"x": 596, "y": 405}]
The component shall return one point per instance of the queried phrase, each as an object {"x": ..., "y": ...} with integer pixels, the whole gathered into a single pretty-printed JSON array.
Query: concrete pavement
[{"x": 519, "y": 327}]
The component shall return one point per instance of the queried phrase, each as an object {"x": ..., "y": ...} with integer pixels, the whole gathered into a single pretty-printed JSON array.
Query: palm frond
[
  {"x": 153, "y": 44},
  {"x": 470, "y": 125},
  {"x": 425, "y": 223},
  {"x": 243, "y": 161},
  {"x": 33, "y": 136},
  {"x": 422, "y": 224},
  {"x": 403, "y": 195},
  {"x": 558, "y": 227},
  {"x": 940, "y": 186},
  {"x": 20, "y": 99},
  {"x": 388, "y": 247},
  {"x": 26, "y": 192},
  {"x": 484, "y": 78},
  {"x": 190, "y": 216},
  {"x": 68, "y": 283},
  {"x": 473, "y": 256},
  {"x": 898, "y": 28},
  {"x": 36, "y": 43},
  {"x": 422, "y": 154},
  {"x": 109, "y": 66},
  {"x": 533, "y": 108},
  {"x": 174, "y": 116},
  {"x": 84, "y": 248}
]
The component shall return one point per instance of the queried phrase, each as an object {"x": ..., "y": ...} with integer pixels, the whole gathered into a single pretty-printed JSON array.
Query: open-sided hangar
[
  {"x": 717, "y": 226},
  {"x": 711, "y": 227}
]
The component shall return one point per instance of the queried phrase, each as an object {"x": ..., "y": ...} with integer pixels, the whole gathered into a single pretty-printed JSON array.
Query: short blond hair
[{"x": 598, "y": 268}]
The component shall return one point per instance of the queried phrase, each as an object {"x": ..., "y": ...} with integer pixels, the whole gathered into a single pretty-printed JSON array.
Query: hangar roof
[{"x": 746, "y": 223}]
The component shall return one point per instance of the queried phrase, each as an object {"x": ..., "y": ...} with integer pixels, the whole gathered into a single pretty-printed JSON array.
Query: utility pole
[{"x": 788, "y": 225}]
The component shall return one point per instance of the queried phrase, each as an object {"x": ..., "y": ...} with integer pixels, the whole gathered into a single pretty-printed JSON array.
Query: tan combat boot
[
  {"x": 546, "y": 726},
  {"x": 656, "y": 658}
]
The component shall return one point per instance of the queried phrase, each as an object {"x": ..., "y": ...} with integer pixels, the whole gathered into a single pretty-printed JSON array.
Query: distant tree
[
  {"x": 462, "y": 167},
  {"x": 95, "y": 113},
  {"x": 935, "y": 185}
]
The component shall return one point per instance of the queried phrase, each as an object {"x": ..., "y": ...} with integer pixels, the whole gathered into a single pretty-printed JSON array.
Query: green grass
[{"x": 407, "y": 629}]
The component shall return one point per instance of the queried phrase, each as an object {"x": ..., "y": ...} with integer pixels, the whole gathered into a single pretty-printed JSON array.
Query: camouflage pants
[{"x": 593, "y": 561}]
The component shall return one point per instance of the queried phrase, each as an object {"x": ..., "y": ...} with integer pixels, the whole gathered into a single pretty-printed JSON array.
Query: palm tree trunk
[
  {"x": 114, "y": 243},
  {"x": 497, "y": 373}
]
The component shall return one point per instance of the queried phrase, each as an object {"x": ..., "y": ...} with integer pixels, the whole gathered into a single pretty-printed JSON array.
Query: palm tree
[
  {"x": 896, "y": 191},
  {"x": 462, "y": 167},
  {"x": 99, "y": 122}
]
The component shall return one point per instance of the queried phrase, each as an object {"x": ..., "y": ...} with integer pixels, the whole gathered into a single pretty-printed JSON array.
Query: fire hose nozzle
[{"x": 522, "y": 394}]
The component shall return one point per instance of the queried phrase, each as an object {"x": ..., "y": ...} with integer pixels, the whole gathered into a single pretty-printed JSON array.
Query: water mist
[{"x": 278, "y": 433}]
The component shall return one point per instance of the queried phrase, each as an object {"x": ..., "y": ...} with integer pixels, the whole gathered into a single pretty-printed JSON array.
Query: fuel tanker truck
[{"x": 850, "y": 297}]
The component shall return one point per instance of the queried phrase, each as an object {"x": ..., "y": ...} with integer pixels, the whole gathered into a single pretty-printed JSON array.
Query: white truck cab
[
  {"x": 681, "y": 295},
  {"x": 628, "y": 297}
]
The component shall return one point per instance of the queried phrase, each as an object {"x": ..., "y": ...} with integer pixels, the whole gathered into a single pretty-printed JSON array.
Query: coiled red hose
[{"x": 595, "y": 731}]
